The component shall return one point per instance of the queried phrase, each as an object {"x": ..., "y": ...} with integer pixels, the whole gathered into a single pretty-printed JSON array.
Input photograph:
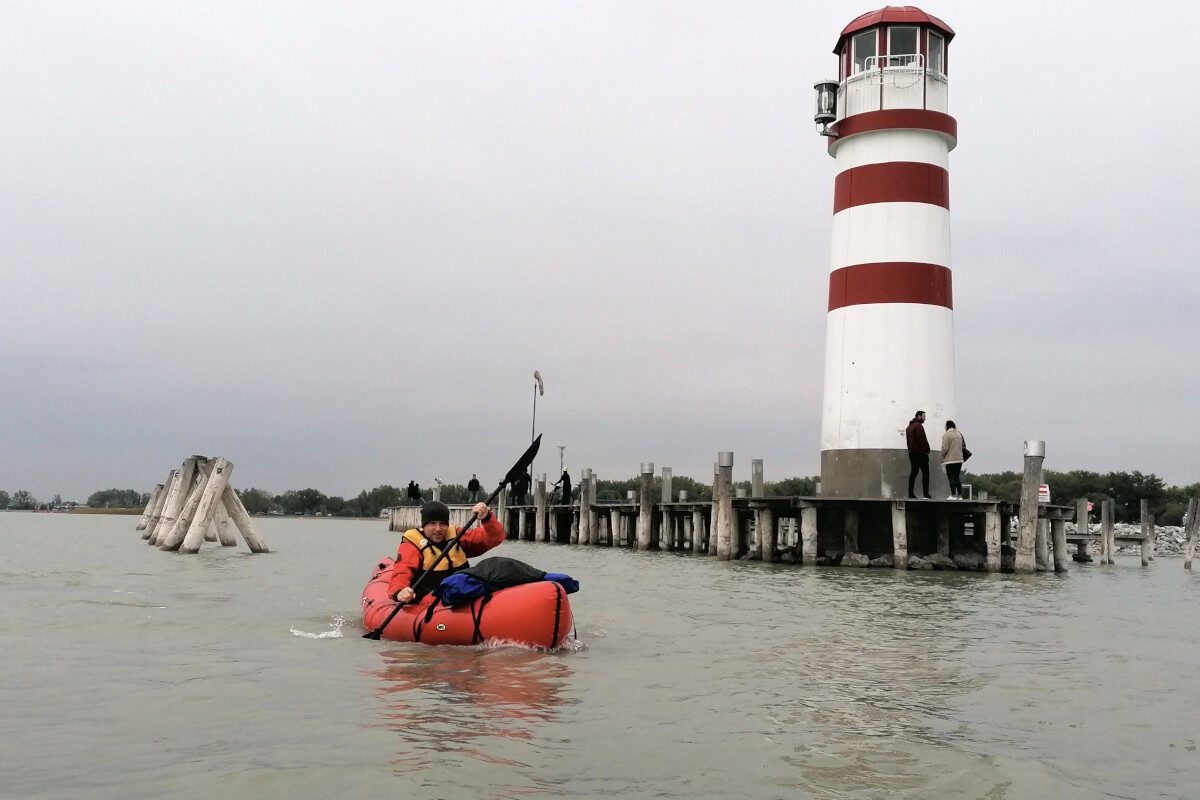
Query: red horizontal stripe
[
  {"x": 890, "y": 282},
  {"x": 892, "y": 182},
  {"x": 897, "y": 118}
]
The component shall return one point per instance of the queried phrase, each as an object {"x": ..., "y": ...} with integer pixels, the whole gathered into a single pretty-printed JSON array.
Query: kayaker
[{"x": 420, "y": 549}]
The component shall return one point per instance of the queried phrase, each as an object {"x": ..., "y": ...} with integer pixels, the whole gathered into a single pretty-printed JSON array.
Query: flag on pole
[{"x": 537, "y": 376}]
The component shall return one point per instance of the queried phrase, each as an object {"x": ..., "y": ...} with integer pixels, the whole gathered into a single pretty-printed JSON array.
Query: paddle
[{"x": 518, "y": 470}]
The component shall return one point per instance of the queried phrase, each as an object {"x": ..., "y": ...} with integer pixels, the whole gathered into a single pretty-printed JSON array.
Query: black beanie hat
[{"x": 434, "y": 511}]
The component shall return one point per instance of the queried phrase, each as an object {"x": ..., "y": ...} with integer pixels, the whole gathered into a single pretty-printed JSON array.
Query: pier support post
[
  {"x": 723, "y": 521},
  {"x": 645, "y": 518},
  {"x": 218, "y": 478},
  {"x": 1035, "y": 454},
  {"x": 850, "y": 537},
  {"x": 809, "y": 538},
  {"x": 899, "y": 535},
  {"x": 1147, "y": 533},
  {"x": 666, "y": 527},
  {"x": 585, "y": 507},
  {"x": 1058, "y": 528},
  {"x": 991, "y": 535},
  {"x": 614, "y": 527},
  {"x": 698, "y": 531},
  {"x": 766, "y": 535},
  {"x": 756, "y": 477},
  {"x": 541, "y": 531},
  {"x": 1108, "y": 535},
  {"x": 1193, "y": 524},
  {"x": 1043, "y": 545}
]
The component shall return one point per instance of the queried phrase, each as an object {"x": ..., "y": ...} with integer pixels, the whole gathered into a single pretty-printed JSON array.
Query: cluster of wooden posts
[
  {"x": 817, "y": 530},
  {"x": 198, "y": 504}
]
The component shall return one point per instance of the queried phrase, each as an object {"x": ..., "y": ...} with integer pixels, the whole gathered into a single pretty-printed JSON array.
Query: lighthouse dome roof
[{"x": 893, "y": 14}]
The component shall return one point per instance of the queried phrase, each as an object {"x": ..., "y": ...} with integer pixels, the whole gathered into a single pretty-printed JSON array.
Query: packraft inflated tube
[{"x": 535, "y": 614}]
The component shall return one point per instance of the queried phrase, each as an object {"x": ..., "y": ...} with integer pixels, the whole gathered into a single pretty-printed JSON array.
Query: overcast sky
[{"x": 332, "y": 241}]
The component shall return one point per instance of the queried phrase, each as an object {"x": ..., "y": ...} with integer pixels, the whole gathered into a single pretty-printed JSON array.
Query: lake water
[{"x": 128, "y": 672}]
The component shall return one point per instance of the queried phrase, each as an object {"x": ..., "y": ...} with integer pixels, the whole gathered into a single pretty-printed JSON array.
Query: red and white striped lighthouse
[{"x": 890, "y": 329}]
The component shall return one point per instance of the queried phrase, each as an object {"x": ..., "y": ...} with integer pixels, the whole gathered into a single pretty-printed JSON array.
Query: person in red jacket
[
  {"x": 420, "y": 549},
  {"x": 918, "y": 454}
]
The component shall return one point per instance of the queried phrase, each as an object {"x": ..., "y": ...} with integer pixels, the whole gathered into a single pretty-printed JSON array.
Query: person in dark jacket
[
  {"x": 414, "y": 493},
  {"x": 918, "y": 454},
  {"x": 421, "y": 550},
  {"x": 520, "y": 487},
  {"x": 565, "y": 481},
  {"x": 473, "y": 488}
]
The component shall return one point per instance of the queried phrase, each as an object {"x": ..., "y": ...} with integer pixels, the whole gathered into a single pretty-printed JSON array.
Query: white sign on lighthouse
[{"x": 890, "y": 325}]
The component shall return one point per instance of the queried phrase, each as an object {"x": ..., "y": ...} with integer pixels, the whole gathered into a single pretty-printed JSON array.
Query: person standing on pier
[
  {"x": 953, "y": 445},
  {"x": 473, "y": 488},
  {"x": 421, "y": 550},
  {"x": 414, "y": 493},
  {"x": 520, "y": 488},
  {"x": 565, "y": 480},
  {"x": 918, "y": 454}
]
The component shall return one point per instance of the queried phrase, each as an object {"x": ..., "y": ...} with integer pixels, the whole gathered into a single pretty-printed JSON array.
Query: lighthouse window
[
  {"x": 902, "y": 46},
  {"x": 864, "y": 45},
  {"x": 937, "y": 53}
]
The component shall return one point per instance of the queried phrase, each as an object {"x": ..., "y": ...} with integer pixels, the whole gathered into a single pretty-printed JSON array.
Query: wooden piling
[
  {"x": 175, "y": 536},
  {"x": 766, "y": 535},
  {"x": 585, "y": 507},
  {"x": 991, "y": 536},
  {"x": 699, "y": 534},
  {"x": 149, "y": 509},
  {"x": 723, "y": 521},
  {"x": 159, "y": 501},
  {"x": 1147, "y": 532},
  {"x": 241, "y": 519},
  {"x": 899, "y": 535},
  {"x": 1058, "y": 528},
  {"x": 645, "y": 520},
  {"x": 614, "y": 527},
  {"x": 223, "y": 525},
  {"x": 1190, "y": 530},
  {"x": 214, "y": 487},
  {"x": 808, "y": 535},
  {"x": 1035, "y": 454},
  {"x": 756, "y": 477},
  {"x": 177, "y": 496},
  {"x": 1107, "y": 533},
  {"x": 541, "y": 532},
  {"x": 1043, "y": 545}
]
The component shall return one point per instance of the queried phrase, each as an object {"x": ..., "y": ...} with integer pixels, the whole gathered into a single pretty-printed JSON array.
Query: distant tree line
[{"x": 118, "y": 498}]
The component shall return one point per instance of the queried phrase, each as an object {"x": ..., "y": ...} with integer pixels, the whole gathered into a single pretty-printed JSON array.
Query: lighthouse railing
[{"x": 892, "y": 81}]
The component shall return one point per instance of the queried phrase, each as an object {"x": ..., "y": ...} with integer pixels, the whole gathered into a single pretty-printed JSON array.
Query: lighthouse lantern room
[{"x": 890, "y": 328}]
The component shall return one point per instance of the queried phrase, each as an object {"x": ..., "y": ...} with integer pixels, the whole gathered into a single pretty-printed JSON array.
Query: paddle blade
[{"x": 519, "y": 468}]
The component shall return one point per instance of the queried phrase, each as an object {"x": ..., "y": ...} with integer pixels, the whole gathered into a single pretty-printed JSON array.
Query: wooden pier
[{"x": 979, "y": 534}]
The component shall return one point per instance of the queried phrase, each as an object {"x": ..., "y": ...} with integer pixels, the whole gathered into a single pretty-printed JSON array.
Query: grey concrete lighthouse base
[{"x": 876, "y": 473}]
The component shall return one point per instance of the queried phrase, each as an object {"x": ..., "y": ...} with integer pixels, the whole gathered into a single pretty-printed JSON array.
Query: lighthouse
[{"x": 889, "y": 347}]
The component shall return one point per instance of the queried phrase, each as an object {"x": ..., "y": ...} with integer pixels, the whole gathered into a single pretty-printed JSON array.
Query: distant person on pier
[
  {"x": 520, "y": 488},
  {"x": 918, "y": 454},
  {"x": 420, "y": 549},
  {"x": 414, "y": 493},
  {"x": 953, "y": 446},
  {"x": 473, "y": 488},
  {"x": 565, "y": 482}
]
